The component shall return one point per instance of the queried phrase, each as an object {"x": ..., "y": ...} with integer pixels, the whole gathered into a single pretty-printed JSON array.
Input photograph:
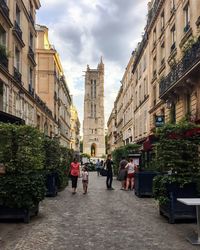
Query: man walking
[{"x": 109, "y": 167}]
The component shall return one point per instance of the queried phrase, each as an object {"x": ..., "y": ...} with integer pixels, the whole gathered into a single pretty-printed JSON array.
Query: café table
[{"x": 194, "y": 238}]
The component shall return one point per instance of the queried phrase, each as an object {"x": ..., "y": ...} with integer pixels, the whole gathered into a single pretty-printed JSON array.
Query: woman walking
[
  {"x": 130, "y": 174},
  {"x": 75, "y": 173}
]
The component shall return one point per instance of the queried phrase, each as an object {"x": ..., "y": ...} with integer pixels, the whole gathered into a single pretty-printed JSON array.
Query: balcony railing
[
  {"x": 189, "y": 60},
  {"x": 4, "y": 8},
  {"x": 3, "y": 57},
  {"x": 31, "y": 55},
  {"x": 173, "y": 46},
  {"x": 17, "y": 75},
  {"x": 42, "y": 105}
]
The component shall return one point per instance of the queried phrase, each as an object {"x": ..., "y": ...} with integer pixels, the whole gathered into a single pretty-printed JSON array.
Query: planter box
[
  {"x": 51, "y": 184},
  {"x": 18, "y": 213},
  {"x": 144, "y": 183},
  {"x": 175, "y": 210}
]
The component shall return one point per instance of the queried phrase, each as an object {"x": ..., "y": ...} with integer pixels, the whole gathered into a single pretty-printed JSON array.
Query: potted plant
[
  {"x": 22, "y": 185},
  {"x": 178, "y": 158}
]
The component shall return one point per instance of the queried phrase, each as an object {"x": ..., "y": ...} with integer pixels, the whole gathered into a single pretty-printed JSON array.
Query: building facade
[
  {"x": 111, "y": 132},
  {"x": 93, "y": 124},
  {"x": 51, "y": 86},
  {"x": 18, "y": 63},
  {"x": 165, "y": 72},
  {"x": 75, "y": 130}
]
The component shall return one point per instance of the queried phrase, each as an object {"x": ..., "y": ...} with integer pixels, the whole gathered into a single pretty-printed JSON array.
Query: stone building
[
  {"x": 75, "y": 130},
  {"x": 111, "y": 131},
  {"x": 165, "y": 72},
  {"x": 17, "y": 63},
  {"x": 127, "y": 95},
  {"x": 51, "y": 86},
  {"x": 93, "y": 124},
  {"x": 118, "y": 105}
]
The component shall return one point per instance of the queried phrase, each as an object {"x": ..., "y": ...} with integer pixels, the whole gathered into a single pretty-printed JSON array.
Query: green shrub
[
  {"x": 21, "y": 151},
  {"x": 177, "y": 153}
]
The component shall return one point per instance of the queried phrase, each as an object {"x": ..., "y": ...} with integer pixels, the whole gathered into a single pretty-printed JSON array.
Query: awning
[{"x": 8, "y": 118}]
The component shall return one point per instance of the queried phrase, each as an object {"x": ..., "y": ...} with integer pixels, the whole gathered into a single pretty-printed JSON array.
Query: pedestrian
[
  {"x": 123, "y": 172},
  {"x": 130, "y": 174},
  {"x": 75, "y": 173},
  {"x": 98, "y": 167},
  {"x": 85, "y": 178},
  {"x": 109, "y": 168}
]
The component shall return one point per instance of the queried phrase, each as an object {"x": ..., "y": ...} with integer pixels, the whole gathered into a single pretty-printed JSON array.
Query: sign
[{"x": 159, "y": 120}]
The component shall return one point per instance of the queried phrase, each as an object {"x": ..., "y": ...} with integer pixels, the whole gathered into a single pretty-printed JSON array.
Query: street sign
[{"x": 159, "y": 120}]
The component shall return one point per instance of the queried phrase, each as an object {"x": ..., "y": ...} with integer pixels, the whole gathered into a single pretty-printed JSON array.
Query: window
[
  {"x": 162, "y": 21},
  {"x": 17, "y": 15},
  {"x": 31, "y": 41},
  {"x": 162, "y": 54},
  {"x": 187, "y": 104},
  {"x": 94, "y": 88},
  {"x": 154, "y": 36},
  {"x": 31, "y": 8},
  {"x": 95, "y": 110},
  {"x": 17, "y": 58},
  {"x": 31, "y": 77},
  {"x": 145, "y": 121},
  {"x": 139, "y": 71},
  {"x": 144, "y": 63},
  {"x": 145, "y": 87},
  {"x": 140, "y": 94},
  {"x": 173, "y": 37},
  {"x": 172, "y": 4},
  {"x": 136, "y": 99},
  {"x": 2, "y": 36},
  {"x": 173, "y": 113},
  {"x": 154, "y": 67},
  {"x": 154, "y": 95},
  {"x": 187, "y": 17}
]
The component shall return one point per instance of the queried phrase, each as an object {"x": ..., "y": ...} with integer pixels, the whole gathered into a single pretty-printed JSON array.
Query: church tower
[{"x": 93, "y": 124}]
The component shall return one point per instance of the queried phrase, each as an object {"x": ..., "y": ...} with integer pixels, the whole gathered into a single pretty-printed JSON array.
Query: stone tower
[{"x": 93, "y": 124}]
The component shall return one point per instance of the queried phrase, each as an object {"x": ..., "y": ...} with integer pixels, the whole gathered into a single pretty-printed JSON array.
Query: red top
[{"x": 75, "y": 169}]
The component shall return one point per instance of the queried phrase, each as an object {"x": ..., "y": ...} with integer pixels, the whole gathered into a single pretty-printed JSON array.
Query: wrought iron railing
[
  {"x": 4, "y": 7},
  {"x": 191, "y": 57},
  {"x": 17, "y": 75},
  {"x": 17, "y": 29},
  {"x": 42, "y": 105}
]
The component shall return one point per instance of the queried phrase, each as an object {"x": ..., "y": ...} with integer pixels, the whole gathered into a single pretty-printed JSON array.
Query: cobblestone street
[{"x": 100, "y": 220}]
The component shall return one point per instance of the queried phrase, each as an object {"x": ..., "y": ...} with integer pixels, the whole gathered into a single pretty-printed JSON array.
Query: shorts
[
  {"x": 131, "y": 175},
  {"x": 74, "y": 181},
  {"x": 85, "y": 181}
]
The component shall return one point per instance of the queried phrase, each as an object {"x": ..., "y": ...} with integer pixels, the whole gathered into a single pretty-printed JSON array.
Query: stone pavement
[{"x": 100, "y": 220}]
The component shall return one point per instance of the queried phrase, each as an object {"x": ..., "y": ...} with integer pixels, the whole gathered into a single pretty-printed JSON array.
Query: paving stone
[{"x": 100, "y": 220}]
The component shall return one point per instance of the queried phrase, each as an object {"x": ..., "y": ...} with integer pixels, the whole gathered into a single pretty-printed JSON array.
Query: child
[{"x": 85, "y": 180}]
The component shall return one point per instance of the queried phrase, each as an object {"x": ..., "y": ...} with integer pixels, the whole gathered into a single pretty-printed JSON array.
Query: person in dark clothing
[
  {"x": 122, "y": 172},
  {"x": 109, "y": 179}
]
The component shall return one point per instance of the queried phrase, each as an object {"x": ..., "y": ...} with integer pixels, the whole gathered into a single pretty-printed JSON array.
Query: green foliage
[
  {"x": 85, "y": 155},
  {"x": 178, "y": 154},
  {"x": 57, "y": 159},
  {"x": 121, "y": 152},
  {"x": 21, "y": 151}
]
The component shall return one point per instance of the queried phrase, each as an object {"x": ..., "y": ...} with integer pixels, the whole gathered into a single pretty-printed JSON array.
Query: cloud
[{"x": 84, "y": 30}]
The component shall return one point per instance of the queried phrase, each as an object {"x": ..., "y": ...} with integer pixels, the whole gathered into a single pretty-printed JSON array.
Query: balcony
[
  {"x": 42, "y": 105},
  {"x": 18, "y": 33},
  {"x": 3, "y": 57},
  {"x": 5, "y": 11},
  {"x": 17, "y": 75},
  {"x": 31, "y": 90},
  {"x": 31, "y": 56},
  {"x": 190, "y": 61}
]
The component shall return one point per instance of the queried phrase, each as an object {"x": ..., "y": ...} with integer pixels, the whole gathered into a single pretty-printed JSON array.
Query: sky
[{"x": 84, "y": 30}]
